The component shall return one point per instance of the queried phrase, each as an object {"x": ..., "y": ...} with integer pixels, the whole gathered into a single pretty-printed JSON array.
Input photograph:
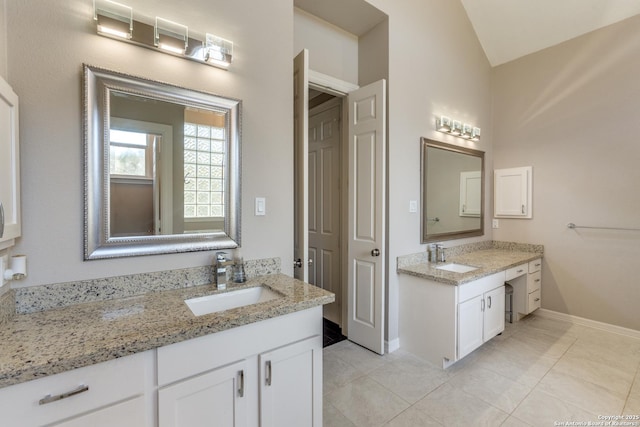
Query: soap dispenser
[{"x": 239, "y": 275}]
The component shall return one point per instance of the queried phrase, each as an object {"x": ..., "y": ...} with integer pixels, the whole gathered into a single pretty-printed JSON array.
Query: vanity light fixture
[
  {"x": 218, "y": 51},
  {"x": 116, "y": 21},
  {"x": 171, "y": 36},
  {"x": 113, "y": 19},
  {"x": 456, "y": 128}
]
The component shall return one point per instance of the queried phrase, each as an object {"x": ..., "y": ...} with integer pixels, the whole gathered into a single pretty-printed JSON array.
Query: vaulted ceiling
[{"x": 507, "y": 29}]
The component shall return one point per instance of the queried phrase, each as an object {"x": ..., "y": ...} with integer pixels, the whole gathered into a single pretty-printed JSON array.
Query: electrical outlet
[{"x": 496, "y": 224}]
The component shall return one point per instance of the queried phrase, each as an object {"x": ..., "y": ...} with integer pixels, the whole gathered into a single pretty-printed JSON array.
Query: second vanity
[
  {"x": 451, "y": 308},
  {"x": 147, "y": 361}
]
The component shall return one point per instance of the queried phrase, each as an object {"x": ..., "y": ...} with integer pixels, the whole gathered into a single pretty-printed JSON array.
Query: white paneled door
[
  {"x": 367, "y": 208},
  {"x": 324, "y": 204}
]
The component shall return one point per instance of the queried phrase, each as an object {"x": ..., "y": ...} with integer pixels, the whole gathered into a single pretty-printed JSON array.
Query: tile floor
[{"x": 539, "y": 372}]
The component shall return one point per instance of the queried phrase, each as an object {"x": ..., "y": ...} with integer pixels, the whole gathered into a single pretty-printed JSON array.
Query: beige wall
[
  {"x": 3, "y": 40},
  {"x": 571, "y": 112},
  {"x": 332, "y": 51},
  {"x": 436, "y": 66},
  {"x": 59, "y": 36}
]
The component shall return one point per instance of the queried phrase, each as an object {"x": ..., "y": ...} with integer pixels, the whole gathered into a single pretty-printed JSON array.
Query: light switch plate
[
  {"x": 496, "y": 223},
  {"x": 261, "y": 206},
  {"x": 413, "y": 206}
]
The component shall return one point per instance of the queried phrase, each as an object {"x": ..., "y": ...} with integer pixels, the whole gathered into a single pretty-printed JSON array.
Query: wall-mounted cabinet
[
  {"x": 513, "y": 192},
  {"x": 9, "y": 167}
]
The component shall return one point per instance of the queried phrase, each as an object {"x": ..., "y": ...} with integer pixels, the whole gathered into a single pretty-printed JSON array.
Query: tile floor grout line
[{"x": 636, "y": 379}]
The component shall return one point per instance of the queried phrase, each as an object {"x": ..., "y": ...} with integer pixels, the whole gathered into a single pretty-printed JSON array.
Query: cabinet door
[
  {"x": 9, "y": 166},
  {"x": 291, "y": 385},
  {"x": 215, "y": 398},
  {"x": 513, "y": 192},
  {"x": 470, "y": 325},
  {"x": 131, "y": 413},
  {"x": 470, "y": 193},
  {"x": 493, "y": 313}
]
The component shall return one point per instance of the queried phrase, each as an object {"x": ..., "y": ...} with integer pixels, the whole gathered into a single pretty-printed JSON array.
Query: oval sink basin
[
  {"x": 228, "y": 300},
  {"x": 456, "y": 268}
]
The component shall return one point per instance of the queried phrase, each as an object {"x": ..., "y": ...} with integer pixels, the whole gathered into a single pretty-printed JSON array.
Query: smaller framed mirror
[
  {"x": 452, "y": 190},
  {"x": 162, "y": 167}
]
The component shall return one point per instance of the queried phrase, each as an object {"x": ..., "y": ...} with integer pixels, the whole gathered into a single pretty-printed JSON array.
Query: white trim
[
  {"x": 607, "y": 327},
  {"x": 330, "y": 85},
  {"x": 391, "y": 346}
]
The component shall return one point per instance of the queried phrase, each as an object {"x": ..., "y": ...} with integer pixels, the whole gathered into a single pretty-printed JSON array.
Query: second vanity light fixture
[
  {"x": 115, "y": 20},
  {"x": 457, "y": 128}
]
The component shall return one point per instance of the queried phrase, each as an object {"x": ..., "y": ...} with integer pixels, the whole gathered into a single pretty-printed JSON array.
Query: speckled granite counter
[
  {"x": 488, "y": 258},
  {"x": 49, "y": 342}
]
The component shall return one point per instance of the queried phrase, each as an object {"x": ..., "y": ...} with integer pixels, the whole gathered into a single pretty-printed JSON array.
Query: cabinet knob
[{"x": 375, "y": 252}]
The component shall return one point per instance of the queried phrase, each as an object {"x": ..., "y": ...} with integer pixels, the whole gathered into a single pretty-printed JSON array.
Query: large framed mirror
[
  {"x": 452, "y": 190},
  {"x": 162, "y": 167}
]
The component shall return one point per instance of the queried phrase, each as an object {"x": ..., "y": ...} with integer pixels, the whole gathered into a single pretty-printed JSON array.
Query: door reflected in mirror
[{"x": 452, "y": 182}]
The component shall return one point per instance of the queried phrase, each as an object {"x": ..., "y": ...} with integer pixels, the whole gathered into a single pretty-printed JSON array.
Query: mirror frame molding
[
  {"x": 437, "y": 237},
  {"x": 97, "y": 85}
]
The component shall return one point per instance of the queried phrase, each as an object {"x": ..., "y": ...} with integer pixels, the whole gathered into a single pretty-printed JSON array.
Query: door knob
[
  {"x": 375, "y": 252},
  {"x": 298, "y": 263}
]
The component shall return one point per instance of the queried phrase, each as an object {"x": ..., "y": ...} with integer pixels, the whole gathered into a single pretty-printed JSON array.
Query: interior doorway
[{"x": 325, "y": 225}]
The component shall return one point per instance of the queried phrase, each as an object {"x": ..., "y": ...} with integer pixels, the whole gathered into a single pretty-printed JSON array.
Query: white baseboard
[
  {"x": 550, "y": 314},
  {"x": 391, "y": 346}
]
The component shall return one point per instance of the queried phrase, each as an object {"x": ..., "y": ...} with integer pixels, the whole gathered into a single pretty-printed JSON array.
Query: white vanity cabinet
[
  {"x": 116, "y": 392},
  {"x": 9, "y": 167},
  {"x": 289, "y": 378},
  {"x": 480, "y": 313},
  {"x": 526, "y": 280},
  {"x": 267, "y": 373},
  {"x": 215, "y": 398},
  {"x": 443, "y": 323},
  {"x": 513, "y": 192}
]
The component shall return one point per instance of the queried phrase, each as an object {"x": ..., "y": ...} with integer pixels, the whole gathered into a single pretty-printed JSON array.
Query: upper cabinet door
[
  {"x": 513, "y": 193},
  {"x": 9, "y": 167}
]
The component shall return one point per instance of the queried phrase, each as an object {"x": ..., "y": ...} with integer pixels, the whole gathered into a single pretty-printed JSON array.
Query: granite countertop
[
  {"x": 488, "y": 261},
  {"x": 49, "y": 342}
]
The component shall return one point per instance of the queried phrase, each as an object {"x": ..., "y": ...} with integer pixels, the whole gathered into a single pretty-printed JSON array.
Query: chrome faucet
[{"x": 220, "y": 264}]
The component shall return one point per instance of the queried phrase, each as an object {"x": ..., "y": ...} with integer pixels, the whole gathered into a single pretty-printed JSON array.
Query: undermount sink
[
  {"x": 231, "y": 299},
  {"x": 456, "y": 268}
]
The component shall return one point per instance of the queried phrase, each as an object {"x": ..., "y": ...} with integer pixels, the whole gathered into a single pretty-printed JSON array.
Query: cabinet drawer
[
  {"x": 107, "y": 382},
  {"x": 534, "y": 301},
  {"x": 534, "y": 281},
  {"x": 516, "y": 271},
  {"x": 535, "y": 265},
  {"x": 480, "y": 286}
]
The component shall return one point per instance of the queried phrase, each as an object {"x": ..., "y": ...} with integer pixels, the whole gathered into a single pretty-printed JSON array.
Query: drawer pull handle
[
  {"x": 489, "y": 302},
  {"x": 523, "y": 209},
  {"x": 537, "y": 299},
  {"x": 537, "y": 280},
  {"x": 520, "y": 271},
  {"x": 49, "y": 398}
]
